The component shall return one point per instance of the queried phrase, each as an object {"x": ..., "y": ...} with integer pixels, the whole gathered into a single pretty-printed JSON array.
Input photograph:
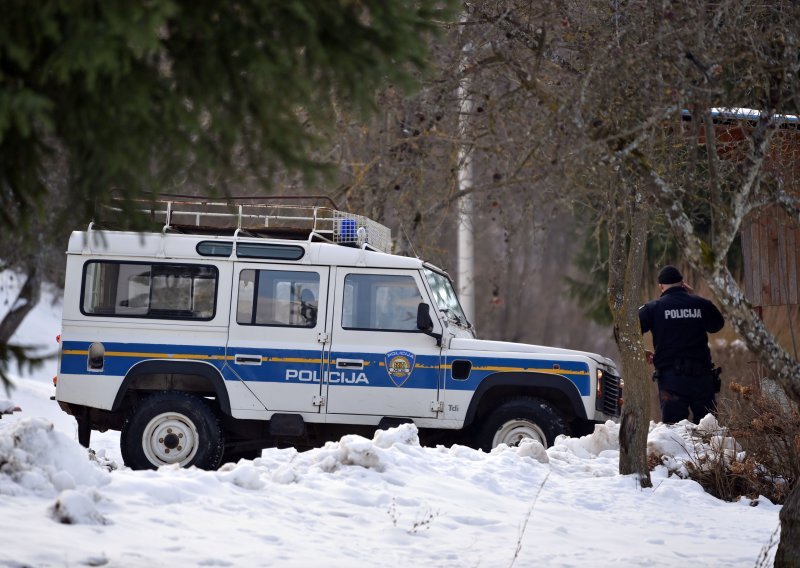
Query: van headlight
[{"x": 599, "y": 386}]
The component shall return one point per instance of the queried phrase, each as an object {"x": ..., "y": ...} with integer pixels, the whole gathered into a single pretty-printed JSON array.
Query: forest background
[{"x": 538, "y": 79}]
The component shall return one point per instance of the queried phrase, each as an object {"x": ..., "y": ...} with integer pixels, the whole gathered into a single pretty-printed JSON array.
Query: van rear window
[{"x": 149, "y": 290}]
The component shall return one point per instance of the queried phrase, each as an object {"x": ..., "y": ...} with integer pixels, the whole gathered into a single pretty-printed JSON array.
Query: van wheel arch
[
  {"x": 556, "y": 390},
  {"x": 189, "y": 376}
]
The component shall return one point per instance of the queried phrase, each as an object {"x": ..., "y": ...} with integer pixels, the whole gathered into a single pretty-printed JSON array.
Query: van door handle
[
  {"x": 349, "y": 363},
  {"x": 247, "y": 359}
]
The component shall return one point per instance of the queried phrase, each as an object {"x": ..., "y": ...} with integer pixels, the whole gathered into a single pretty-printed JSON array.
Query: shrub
[
  {"x": 757, "y": 453},
  {"x": 768, "y": 427}
]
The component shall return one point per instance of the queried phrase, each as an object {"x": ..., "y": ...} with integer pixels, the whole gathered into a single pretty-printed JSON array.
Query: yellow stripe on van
[
  {"x": 531, "y": 370},
  {"x": 158, "y": 355},
  {"x": 292, "y": 360},
  {"x": 147, "y": 355}
]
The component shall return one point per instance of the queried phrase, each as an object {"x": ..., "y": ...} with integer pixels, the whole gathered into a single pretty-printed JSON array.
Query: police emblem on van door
[{"x": 399, "y": 365}]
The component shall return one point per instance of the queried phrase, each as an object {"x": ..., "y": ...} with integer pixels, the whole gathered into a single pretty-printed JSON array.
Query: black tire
[
  {"x": 172, "y": 427},
  {"x": 521, "y": 418}
]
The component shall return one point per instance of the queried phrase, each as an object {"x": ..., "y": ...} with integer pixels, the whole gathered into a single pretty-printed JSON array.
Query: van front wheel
[
  {"x": 172, "y": 427},
  {"x": 519, "y": 419}
]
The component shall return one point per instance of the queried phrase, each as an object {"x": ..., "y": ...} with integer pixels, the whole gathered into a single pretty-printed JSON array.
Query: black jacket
[{"x": 680, "y": 323}]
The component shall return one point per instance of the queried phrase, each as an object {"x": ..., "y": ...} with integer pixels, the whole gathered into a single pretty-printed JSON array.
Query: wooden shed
[
  {"x": 770, "y": 237},
  {"x": 771, "y": 250}
]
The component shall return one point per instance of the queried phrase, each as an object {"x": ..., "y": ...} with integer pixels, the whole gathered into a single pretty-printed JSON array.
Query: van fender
[
  {"x": 161, "y": 367},
  {"x": 515, "y": 381}
]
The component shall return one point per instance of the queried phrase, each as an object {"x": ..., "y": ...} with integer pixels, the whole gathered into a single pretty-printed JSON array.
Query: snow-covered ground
[{"x": 356, "y": 502}]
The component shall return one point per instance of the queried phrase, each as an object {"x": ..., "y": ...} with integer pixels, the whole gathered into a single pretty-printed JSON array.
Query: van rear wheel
[
  {"x": 519, "y": 419},
  {"x": 172, "y": 427}
]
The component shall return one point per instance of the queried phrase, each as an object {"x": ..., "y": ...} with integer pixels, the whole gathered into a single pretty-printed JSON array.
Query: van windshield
[{"x": 445, "y": 297}]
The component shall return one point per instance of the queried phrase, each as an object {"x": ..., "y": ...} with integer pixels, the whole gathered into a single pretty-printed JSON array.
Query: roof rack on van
[{"x": 275, "y": 217}]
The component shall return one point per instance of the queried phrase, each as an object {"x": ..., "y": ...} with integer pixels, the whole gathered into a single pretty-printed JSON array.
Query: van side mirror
[{"x": 425, "y": 323}]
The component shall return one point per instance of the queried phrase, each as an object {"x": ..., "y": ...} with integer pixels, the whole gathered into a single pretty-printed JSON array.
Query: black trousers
[{"x": 679, "y": 394}]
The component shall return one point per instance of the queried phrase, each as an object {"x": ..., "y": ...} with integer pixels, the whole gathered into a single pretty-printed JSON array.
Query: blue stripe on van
[
  {"x": 482, "y": 367},
  {"x": 305, "y": 365}
]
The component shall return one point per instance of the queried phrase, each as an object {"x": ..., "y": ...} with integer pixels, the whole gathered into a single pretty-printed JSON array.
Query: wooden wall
[{"x": 771, "y": 249}]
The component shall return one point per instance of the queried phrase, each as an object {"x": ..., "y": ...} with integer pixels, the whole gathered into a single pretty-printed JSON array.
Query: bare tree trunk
[
  {"x": 788, "y": 554},
  {"x": 26, "y": 300},
  {"x": 627, "y": 251}
]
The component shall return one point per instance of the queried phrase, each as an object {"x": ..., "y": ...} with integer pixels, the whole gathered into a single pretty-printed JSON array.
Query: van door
[
  {"x": 277, "y": 333},
  {"x": 379, "y": 363}
]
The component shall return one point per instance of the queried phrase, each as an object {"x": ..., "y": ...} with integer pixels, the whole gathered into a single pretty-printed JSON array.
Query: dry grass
[
  {"x": 738, "y": 365},
  {"x": 762, "y": 452},
  {"x": 768, "y": 427},
  {"x": 765, "y": 424}
]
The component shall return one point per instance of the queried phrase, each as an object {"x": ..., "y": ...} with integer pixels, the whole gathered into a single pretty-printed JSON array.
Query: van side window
[
  {"x": 270, "y": 251},
  {"x": 380, "y": 302},
  {"x": 149, "y": 290},
  {"x": 214, "y": 248},
  {"x": 278, "y": 298}
]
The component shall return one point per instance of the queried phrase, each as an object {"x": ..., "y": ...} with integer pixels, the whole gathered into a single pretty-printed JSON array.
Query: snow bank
[
  {"x": 406, "y": 503},
  {"x": 594, "y": 455},
  {"x": 35, "y": 458},
  {"x": 77, "y": 508},
  {"x": 7, "y": 406},
  {"x": 350, "y": 451},
  {"x": 679, "y": 446}
]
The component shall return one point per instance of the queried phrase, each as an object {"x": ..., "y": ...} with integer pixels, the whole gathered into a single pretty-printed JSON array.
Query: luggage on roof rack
[{"x": 276, "y": 217}]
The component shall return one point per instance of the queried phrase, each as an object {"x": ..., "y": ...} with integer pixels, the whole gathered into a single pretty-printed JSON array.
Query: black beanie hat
[{"x": 669, "y": 275}]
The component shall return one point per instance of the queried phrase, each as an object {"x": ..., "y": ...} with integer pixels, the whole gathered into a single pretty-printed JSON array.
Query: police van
[{"x": 242, "y": 325}]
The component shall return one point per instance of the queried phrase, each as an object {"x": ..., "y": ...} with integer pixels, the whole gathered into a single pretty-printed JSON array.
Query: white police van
[{"x": 243, "y": 325}]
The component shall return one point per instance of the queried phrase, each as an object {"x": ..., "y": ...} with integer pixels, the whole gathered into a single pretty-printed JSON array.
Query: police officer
[{"x": 681, "y": 322}]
